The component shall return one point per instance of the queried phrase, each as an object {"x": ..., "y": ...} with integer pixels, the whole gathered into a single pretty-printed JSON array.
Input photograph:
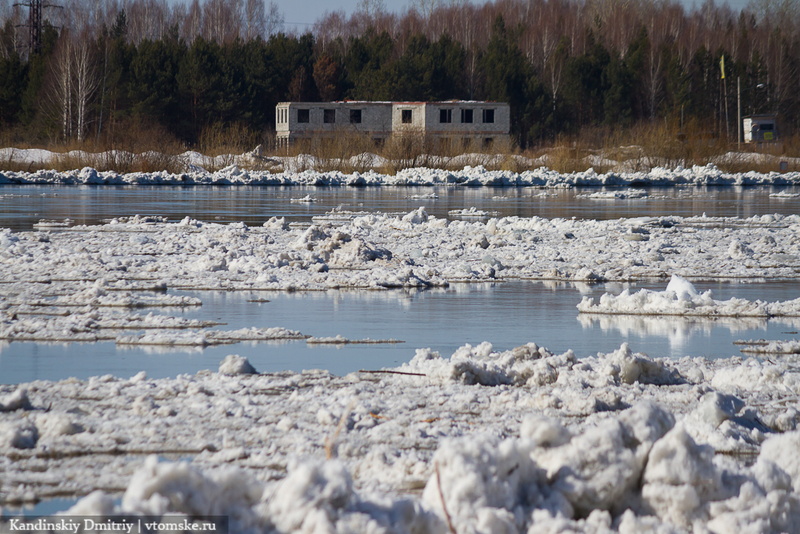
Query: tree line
[{"x": 108, "y": 67}]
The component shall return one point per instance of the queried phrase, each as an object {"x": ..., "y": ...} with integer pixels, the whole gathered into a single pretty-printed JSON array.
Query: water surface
[
  {"x": 505, "y": 314},
  {"x": 22, "y": 206}
]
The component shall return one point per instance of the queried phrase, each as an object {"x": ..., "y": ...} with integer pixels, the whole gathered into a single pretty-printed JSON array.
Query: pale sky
[{"x": 301, "y": 14}]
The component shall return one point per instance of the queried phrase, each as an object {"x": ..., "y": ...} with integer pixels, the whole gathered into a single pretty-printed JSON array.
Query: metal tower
[{"x": 35, "y": 23}]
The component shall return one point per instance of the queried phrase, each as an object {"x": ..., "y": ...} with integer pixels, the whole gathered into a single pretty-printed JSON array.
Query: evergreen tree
[
  {"x": 12, "y": 86},
  {"x": 200, "y": 86},
  {"x": 509, "y": 77},
  {"x": 369, "y": 67},
  {"x": 585, "y": 84},
  {"x": 154, "y": 94}
]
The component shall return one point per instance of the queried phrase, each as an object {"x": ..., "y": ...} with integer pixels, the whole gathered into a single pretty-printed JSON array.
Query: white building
[{"x": 455, "y": 123}]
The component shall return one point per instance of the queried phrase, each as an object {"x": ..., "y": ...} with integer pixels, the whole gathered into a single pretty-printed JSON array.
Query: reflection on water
[
  {"x": 23, "y": 206},
  {"x": 680, "y": 332},
  {"x": 506, "y": 314}
]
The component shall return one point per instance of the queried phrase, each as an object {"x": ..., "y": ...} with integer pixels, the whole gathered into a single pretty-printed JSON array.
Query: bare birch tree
[
  {"x": 59, "y": 95},
  {"x": 74, "y": 82},
  {"x": 147, "y": 19},
  {"x": 85, "y": 85}
]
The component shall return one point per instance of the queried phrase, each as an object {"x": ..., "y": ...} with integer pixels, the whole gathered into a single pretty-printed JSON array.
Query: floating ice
[
  {"x": 233, "y": 364},
  {"x": 681, "y": 298},
  {"x": 762, "y": 346}
]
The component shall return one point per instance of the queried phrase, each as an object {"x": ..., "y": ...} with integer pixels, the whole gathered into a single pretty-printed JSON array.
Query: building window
[
  {"x": 355, "y": 116},
  {"x": 465, "y": 142},
  {"x": 488, "y": 142},
  {"x": 405, "y": 116},
  {"x": 488, "y": 116},
  {"x": 329, "y": 116},
  {"x": 445, "y": 115},
  {"x": 466, "y": 116},
  {"x": 303, "y": 115}
]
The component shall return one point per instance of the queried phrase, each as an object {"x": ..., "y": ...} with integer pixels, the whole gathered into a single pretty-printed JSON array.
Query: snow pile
[
  {"x": 509, "y": 441},
  {"x": 477, "y": 175},
  {"x": 233, "y": 364},
  {"x": 681, "y": 298},
  {"x": 533, "y": 366}
]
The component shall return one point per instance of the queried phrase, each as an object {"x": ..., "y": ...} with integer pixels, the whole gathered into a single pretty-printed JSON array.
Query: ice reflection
[
  {"x": 671, "y": 335},
  {"x": 161, "y": 349},
  {"x": 678, "y": 331}
]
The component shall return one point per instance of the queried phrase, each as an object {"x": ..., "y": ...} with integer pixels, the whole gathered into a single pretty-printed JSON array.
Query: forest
[{"x": 122, "y": 72}]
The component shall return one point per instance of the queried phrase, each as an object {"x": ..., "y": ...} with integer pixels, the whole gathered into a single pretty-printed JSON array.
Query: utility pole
[
  {"x": 34, "y": 25},
  {"x": 738, "y": 113}
]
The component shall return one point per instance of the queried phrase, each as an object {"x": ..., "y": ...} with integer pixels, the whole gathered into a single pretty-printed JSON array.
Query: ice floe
[
  {"x": 87, "y": 282},
  {"x": 681, "y": 298},
  {"x": 762, "y": 346}
]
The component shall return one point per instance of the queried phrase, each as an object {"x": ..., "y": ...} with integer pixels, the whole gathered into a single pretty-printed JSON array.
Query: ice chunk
[
  {"x": 21, "y": 435},
  {"x": 679, "y": 479},
  {"x": 683, "y": 288},
  {"x": 418, "y": 216},
  {"x": 158, "y": 488},
  {"x": 782, "y": 451},
  {"x": 18, "y": 400},
  {"x": 233, "y": 364}
]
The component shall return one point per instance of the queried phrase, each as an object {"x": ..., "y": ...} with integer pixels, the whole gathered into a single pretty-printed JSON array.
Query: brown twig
[
  {"x": 441, "y": 496},
  {"x": 391, "y": 372},
  {"x": 330, "y": 441}
]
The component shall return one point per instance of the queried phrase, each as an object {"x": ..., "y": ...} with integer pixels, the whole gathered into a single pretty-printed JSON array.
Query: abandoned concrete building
[{"x": 457, "y": 124}]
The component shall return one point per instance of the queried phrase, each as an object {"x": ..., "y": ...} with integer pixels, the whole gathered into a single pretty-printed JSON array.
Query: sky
[{"x": 301, "y": 14}]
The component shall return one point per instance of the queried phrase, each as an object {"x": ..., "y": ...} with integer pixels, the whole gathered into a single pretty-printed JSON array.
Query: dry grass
[
  {"x": 225, "y": 141},
  {"x": 349, "y": 153},
  {"x": 133, "y": 146},
  {"x": 129, "y": 147}
]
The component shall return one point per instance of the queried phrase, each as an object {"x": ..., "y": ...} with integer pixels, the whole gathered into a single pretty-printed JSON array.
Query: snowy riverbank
[
  {"x": 474, "y": 176},
  {"x": 511, "y": 441}
]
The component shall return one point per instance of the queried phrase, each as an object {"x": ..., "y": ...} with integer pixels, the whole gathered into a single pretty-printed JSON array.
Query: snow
[
  {"x": 480, "y": 440},
  {"x": 496, "y": 441},
  {"x": 681, "y": 298}
]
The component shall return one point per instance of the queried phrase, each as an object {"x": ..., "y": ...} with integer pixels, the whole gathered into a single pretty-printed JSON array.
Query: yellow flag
[{"x": 722, "y": 66}]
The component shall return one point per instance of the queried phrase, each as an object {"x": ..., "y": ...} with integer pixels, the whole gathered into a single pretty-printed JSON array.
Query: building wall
[
  {"x": 456, "y": 112},
  {"x": 417, "y": 111},
  {"x": 383, "y": 119},
  {"x": 330, "y": 118}
]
